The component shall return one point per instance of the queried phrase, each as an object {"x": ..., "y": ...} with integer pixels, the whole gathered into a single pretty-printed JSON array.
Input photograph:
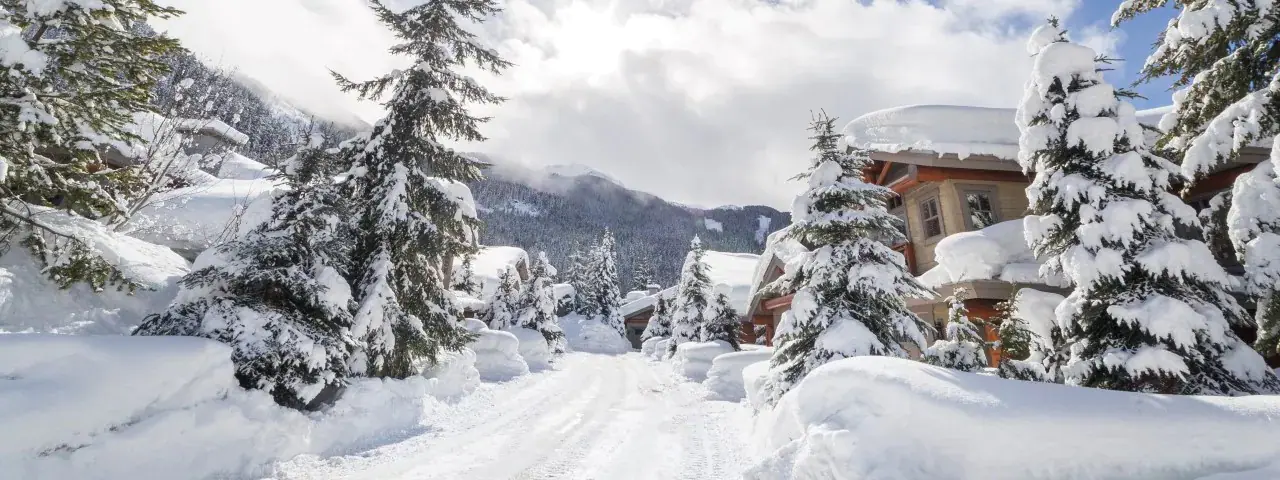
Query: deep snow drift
[
  {"x": 724, "y": 379},
  {"x": 693, "y": 359},
  {"x": 879, "y": 417}
]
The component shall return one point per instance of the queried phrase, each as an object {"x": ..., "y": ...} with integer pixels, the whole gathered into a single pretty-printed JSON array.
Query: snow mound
[
  {"x": 941, "y": 129},
  {"x": 473, "y": 325},
  {"x": 880, "y": 417},
  {"x": 724, "y": 379},
  {"x": 533, "y": 348},
  {"x": 753, "y": 379},
  {"x": 30, "y": 302},
  {"x": 596, "y": 337},
  {"x": 454, "y": 374},
  {"x": 998, "y": 252},
  {"x": 1038, "y": 309},
  {"x": 498, "y": 356},
  {"x": 650, "y": 347},
  {"x": 235, "y": 166},
  {"x": 196, "y": 218},
  {"x": 693, "y": 359}
]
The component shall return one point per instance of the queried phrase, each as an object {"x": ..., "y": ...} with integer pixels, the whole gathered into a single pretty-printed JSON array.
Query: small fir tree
[
  {"x": 1104, "y": 216},
  {"x": 578, "y": 276},
  {"x": 660, "y": 322},
  {"x": 723, "y": 324},
  {"x": 403, "y": 183},
  {"x": 761, "y": 334},
  {"x": 277, "y": 296},
  {"x": 538, "y": 305},
  {"x": 74, "y": 76},
  {"x": 505, "y": 306},
  {"x": 689, "y": 316},
  {"x": 464, "y": 280},
  {"x": 1016, "y": 344},
  {"x": 851, "y": 289},
  {"x": 964, "y": 346},
  {"x": 606, "y": 293}
]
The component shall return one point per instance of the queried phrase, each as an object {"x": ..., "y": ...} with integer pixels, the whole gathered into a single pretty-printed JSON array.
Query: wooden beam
[
  {"x": 884, "y": 172},
  {"x": 776, "y": 303},
  {"x": 937, "y": 174},
  {"x": 1217, "y": 181}
]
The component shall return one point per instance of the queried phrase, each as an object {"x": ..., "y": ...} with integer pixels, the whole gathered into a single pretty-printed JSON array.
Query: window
[
  {"x": 980, "y": 211},
  {"x": 931, "y": 215},
  {"x": 896, "y": 208}
]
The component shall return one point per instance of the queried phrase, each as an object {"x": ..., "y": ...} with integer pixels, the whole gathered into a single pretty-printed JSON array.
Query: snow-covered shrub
[
  {"x": 533, "y": 348},
  {"x": 498, "y": 355},
  {"x": 754, "y": 377},
  {"x": 538, "y": 306},
  {"x": 596, "y": 337},
  {"x": 878, "y": 417},
  {"x": 689, "y": 315},
  {"x": 693, "y": 359},
  {"x": 724, "y": 379},
  {"x": 453, "y": 375},
  {"x": 964, "y": 347},
  {"x": 473, "y": 325},
  {"x": 662, "y": 349}
]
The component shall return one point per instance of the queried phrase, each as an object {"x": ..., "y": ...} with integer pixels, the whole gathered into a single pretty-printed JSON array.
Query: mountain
[{"x": 562, "y": 208}]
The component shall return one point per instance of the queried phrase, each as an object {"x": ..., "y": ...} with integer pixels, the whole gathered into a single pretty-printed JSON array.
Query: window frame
[
  {"x": 924, "y": 217},
  {"x": 993, "y": 197}
]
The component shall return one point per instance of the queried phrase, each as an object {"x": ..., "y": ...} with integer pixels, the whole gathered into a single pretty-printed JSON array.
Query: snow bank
[
  {"x": 235, "y": 166},
  {"x": 941, "y": 129},
  {"x": 693, "y": 359},
  {"x": 498, "y": 356},
  {"x": 454, "y": 374},
  {"x": 533, "y": 348},
  {"x": 753, "y": 377},
  {"x": 474, "y": 325},
  {"x": 724, "y": 379},
  {"x": 596, "y": 337},
  {"x": 30, "y": 302},
  {"x": 196, "y": 218},
  {"x": 879, "y": 417},
  {"x": 650, "y": 347},
  {"x": 634, "y": 305},
  {"x": 1037, "y": 309},
  {"x": 998, "y": 252}
]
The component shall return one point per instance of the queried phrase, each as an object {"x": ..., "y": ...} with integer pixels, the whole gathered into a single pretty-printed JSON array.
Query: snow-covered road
[{"x": 593, "y": 417}]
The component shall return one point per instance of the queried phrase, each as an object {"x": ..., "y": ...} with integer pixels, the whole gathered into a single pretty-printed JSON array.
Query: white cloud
[{"x": 699, "y": 101}]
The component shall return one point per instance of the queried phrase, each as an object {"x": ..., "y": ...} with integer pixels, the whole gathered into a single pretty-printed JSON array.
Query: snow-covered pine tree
[
  {"x": 464, "y": 280},
  {"x": 1150, "y": 311},
  {"x": 964, "y": 347},
  {"x": 660, "y": 321},
  {"x": 1252, "y": 226},
  {"x": 1219, "y": 54},
  {"x": 410, "y": 223},
  {"x": 723, "y": 324},
  {"x": 851, "y": 289},
  {"x": 578, "y": 275},
  {"x": 75, "y": 72},
  {"x": 689, "y": 315},
  {"x": 505, "y": 305},
  {"x": 605, "y": 291},
  {"x": 538, "y": 305},
  {"x": 642, "y": 274},
  {"x": 277, "y": 296},
  {"x": 1015, "y": 344}
]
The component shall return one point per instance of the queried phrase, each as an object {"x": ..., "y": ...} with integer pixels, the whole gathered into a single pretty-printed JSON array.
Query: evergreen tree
[
  {"x": 851, "y": 289},
  {"x": 578, "y": 276},
  {"x": 606, "y": 293},
  {"x": 689, "y": 316},
  {"x": 1252, "y": 229},
  {"x": 277, "y": 296},
  {"x": 643, "y": 275},
  {"x": 505, "y": 305},
  {"x": 724, "y": 324},
  {"x": 464, "y": 280},
  {"x": 74, "y": 75},
  {"x": 660, "y": 322},
  {"x": 964, "y": 346},
  {"x": 1016, "y": 345},
  {"x": 1220, "y": 56},
  {"x": 410, "y": 223},
  {"x": 1150, "y": 311},
  {"x": 538, "y": 305}
]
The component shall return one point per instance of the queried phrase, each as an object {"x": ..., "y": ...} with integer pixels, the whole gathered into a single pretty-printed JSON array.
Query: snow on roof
[
  {"x": 634, "y": 306},
  {"x": 998, "y": 252},
  {"x": 488, "y": 265},
  {"x": 788, "y": 251},
  {"x": 562, "y": 290},
  {"x": 196, "y": 218},
  {"x": 239, "y": 167},
  {"x": 731, "y": 274},
  {"x": 941, "y": 129},
  {"x": 213, "y": 127}
]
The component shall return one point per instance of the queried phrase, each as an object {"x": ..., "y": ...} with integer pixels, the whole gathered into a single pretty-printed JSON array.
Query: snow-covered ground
[{"x": 593, "y": 416}]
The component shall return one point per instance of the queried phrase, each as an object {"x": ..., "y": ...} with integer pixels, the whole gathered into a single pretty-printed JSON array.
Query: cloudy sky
[{"x": 699, "y": 101}]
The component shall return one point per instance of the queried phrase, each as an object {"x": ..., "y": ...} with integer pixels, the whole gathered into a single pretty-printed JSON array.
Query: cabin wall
[{"x": 1009, "y": 198}]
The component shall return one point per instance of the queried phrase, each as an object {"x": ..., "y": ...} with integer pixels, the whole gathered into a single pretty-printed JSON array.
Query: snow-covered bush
[
  {"x": 498, "y": 355},
  {"x": 473, "y": 325},
  {"x": 662, "y": 349},
  {"x": 693, "y": 359},
  {"x": 454, "y": 374},
  {"x": 754, "y": 377},
  {"x": 725, "y": 380},
  {"x": 964, "y": 347},
  {"x": 596, "y": 337},
  {"x": 538, "y": 307},
  {"x": 533, "y": 348},
  {"x": 649, "y": 347},
  {"x": 878, "y": 417}
]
